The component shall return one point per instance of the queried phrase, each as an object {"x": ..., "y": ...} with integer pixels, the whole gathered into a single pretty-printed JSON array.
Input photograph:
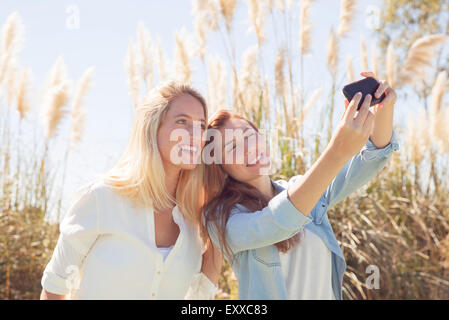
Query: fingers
[
  {"x": 364, "y": 110},
  {"x": 346, "y": 108},
  {"x": 390, "y": 96},
  {"x": 382, "y": 87},
  {"x": 368, "y": 74},
  {"x": 352, "y": 107}
]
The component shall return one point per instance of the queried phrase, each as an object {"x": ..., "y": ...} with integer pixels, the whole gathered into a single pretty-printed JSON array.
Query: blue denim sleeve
[
  {"x": 359, "y": 170},
  {"x": 278, "y": 221}
]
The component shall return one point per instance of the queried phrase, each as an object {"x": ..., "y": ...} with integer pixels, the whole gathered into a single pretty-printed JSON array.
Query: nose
[{"x": 255, "y": 145}]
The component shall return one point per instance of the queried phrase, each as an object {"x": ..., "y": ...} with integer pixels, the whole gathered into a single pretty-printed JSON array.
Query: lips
[
  {"x": 188, "y": 148},
  {"x": 257, "y": 160}
]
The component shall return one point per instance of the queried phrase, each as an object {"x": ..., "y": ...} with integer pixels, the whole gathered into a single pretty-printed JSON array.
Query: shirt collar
[{"x": 277, "y": 186}]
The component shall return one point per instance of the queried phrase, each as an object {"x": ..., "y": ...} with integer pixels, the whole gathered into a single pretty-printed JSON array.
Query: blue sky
[{"x": 106, "y": 28}]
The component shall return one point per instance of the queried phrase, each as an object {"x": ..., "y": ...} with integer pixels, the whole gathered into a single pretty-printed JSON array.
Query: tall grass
[
  {"x": 399, "y": 222},
  {"x": 31, "y": 182}
]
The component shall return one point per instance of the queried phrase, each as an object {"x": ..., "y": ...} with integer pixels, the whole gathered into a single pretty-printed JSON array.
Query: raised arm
[
  {"x": 352, "y": 133},
  {"x": 374, "y": 155}
]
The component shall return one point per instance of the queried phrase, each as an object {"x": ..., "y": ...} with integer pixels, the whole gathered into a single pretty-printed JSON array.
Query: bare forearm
[
  {"x": 383, "y": 128},
  {"x": 45, "y": 295},
  {"x": 304, "y": 194},
  {"x": 383, "y": 125},
  {"x": 212, "y": 263}
]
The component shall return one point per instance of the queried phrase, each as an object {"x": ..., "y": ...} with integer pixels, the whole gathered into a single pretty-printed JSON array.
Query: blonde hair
[{"x": 139, "y": 175}]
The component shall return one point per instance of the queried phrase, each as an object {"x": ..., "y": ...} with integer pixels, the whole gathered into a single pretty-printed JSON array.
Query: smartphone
[{"x": 365, "y": 86}]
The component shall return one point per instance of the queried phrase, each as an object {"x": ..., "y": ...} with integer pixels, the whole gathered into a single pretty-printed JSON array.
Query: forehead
[
  {"x": 228, "y": 130},
  {"x": 186, "y": 104},
  {"x": 235, "y": 123}
]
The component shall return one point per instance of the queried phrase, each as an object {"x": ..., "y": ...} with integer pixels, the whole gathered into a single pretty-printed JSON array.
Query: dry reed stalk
[
  {"x": 443, "y": 132},
  {"x": 22, "y": 101},
  {"x": 5, "y": 58},
  {"x": 205, "y": 13},
  {"x": 236, "y": 97},
  {"x": 332, "y": 53},
  {"x": 227, "y": 9},
  {"x": 266, "y": 99},
  {"x": 416, "y": 137},
  {"x": 183, "y": 69},
  {"x": 349, "y": 68},
  {"x": 257, "y": 11},
  {"x": 134, "y": 80},
  {"x": 78, "y": 112},
  {"x": 347, "y": 15},
  {"x": 363, "y": 54},
  {"x": 163, "y": 75},
  {"x": 391, "y": 66},
  {"x": 12, "y": 35},
  {"x": 145, "y": 53},
  {"x": 216, "y": 83},
  {"x": 438, "y": 115},
  {"x": 305, "y": 27},
  {"x": 374, "y": 61},
  {"x": 311, "y": 102},
  {"x": 444, "y": 252},
  {"x": 249, "y": 81},
  {"x": 419, "y": 57},
  {"x": 55, "y": 98},
  {"x": 438, "y": 91},
  {"x": 11, "y": 80},
  {"x": 279, "y": 77}
]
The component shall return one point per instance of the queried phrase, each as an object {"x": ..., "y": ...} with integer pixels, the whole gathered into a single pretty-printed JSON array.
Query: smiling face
[
  {"x": 179, "y": 136},
  {"x": 245, "y": 155}
]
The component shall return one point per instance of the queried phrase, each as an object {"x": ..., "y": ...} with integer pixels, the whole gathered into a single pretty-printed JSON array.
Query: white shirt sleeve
[
  {"x": 201, "y": 288},
  {"x": 78, "y": 232}
]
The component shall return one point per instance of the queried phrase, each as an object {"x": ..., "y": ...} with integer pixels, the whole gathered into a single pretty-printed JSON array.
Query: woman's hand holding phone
[
  {"x": 384, "y": 88},
  {"x": 354, "y": 128}
]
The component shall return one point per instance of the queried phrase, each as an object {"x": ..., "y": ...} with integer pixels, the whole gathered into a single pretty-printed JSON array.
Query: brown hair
[{"x": 222, "y": 193}]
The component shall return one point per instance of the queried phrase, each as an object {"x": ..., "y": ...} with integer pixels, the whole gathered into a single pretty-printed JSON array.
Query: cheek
[{"x": 164, "y": 143}]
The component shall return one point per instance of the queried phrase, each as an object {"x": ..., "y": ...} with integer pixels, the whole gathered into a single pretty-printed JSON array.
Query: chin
[{"x": 187, "y": 166}]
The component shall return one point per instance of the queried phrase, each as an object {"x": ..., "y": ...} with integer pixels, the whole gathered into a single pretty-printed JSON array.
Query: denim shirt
[{"x": 252, "y": 235}]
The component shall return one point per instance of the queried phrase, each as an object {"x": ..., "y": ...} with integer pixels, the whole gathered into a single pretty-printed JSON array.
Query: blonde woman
[{"x": 134, "y": 233}]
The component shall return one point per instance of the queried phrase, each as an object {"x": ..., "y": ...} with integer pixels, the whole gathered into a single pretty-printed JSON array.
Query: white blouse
[
  {"x": 107, "y": 250},
  {"x": 307, "y": 269}
]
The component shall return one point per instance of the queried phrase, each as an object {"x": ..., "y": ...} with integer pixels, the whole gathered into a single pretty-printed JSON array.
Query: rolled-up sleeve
[
  {"x": 201, "y": 288},
  {"x": 78, "y": 231},
  {"x": 278, "y": 221},
  {"x": 359, "y": 170}
]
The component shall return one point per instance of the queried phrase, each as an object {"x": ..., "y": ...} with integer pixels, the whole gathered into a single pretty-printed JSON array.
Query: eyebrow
[
  {"x": 187, "y": 116},
  {"x": 246, "y": 129}
]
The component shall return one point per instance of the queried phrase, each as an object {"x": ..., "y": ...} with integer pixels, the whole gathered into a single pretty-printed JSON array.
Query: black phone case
[{"x": 365, "y": 86}]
